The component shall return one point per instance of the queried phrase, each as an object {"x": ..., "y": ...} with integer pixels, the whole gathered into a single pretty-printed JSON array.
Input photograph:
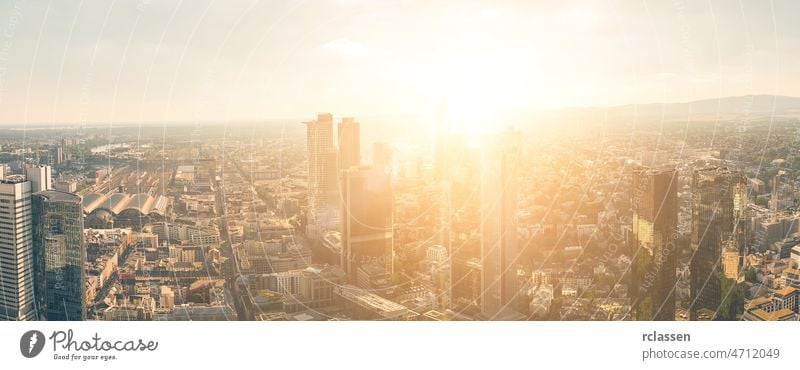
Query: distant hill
[
  {"x": 724, "y": 108},
  {"x": 752, "y": 107}
]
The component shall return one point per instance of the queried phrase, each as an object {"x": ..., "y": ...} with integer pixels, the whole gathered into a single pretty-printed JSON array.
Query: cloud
[{"x": 347, "y": 48}]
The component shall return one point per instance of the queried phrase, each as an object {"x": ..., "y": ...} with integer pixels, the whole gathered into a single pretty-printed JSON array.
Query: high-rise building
[
  {"x": 782, "y": 195},
  {"x": 60, "y": 255},
  {"x": 65, "y": 155},
  {"x": 323, "y": 194},
  {"x": 40, "y": 176},
  {"x": 17, "y": 263},
  {"x": 55, "y": 155},
  {"x": 498, "y": 225},
  {"x": 442, "y": 176},
  {"x": 367, "y": 230},
  {"x": 655, "y": 222},
  {"x": 460, "y": 194},
  {"x": 382, "y": 156},
  {"x": 719, "y": 198},
  {"x": 349, "y": 143},
  {"x": 441, "y": 147},
  {"x": 319, "y": 142},
  {"x": 328, "y": 200}
]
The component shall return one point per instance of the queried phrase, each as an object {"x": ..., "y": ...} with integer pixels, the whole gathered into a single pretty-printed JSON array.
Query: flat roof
[
  {"x": 771, "y": 316},
  {"x": 786, "y": 290},
  {"x": 370, "y": 300},
  {"x": 60, "y": 196}
]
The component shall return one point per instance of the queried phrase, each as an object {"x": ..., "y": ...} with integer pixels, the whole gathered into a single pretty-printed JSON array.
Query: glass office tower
[{"x": 59, "y": 246}]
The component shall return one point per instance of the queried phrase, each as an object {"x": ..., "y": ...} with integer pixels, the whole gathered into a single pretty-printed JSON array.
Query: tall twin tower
[
  {"x": 41, "y": 249},
  {"x": 347, "y": 196}
]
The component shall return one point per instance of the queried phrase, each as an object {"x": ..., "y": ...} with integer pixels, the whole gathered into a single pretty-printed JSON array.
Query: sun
[{"x": 481, "y": 92}]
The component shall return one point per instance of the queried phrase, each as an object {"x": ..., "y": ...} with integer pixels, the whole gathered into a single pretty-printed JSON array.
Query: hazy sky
[{"x": 123, "y": 61}]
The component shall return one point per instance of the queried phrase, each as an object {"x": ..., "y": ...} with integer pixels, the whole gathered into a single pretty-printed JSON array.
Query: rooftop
[
  {"x": 772, "y": 316},
  {"x": 59, "y": 196},
  {"x": 375, "y": 302},
  {"x": 786, "y": 291}
]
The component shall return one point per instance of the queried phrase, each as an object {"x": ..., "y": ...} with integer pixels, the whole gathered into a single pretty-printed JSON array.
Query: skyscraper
[
  {"x": 442, "y": 177},
  {"x": 55, "y": 155},
  {"x": 319, "y": 142},
  {"x": 382, "y": 156},
  {"x": 460, "y": 194},
  {"x": 367, "y": 229},
  {"x": 323, "y": 194},
  {"x": 17, "y": 263},
  {"x": 655, "y": 223},
  {"x": 441, "y": 147},
  {"x": 40, "y": 176},
  {"x": 58, "y": 242},
  {"x": 782, "y": 194},
  {"x": 349, "y": 143},
  {"x": 498, "y": 226},
  {"x": 719, "y": 197}
]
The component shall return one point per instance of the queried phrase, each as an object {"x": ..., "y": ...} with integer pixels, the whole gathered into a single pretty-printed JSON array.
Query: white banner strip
[{"x": 396, "y": 345}]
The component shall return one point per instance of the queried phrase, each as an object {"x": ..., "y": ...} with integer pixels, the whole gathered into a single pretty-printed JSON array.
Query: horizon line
[{"x": 91, "y": 124}]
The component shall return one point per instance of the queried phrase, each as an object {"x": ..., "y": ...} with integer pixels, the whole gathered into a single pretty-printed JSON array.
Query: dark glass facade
[
  {"x": 654, "y": 251},
  {"x": 719, "y": 196},
  {"x": 59, "y": 245}
]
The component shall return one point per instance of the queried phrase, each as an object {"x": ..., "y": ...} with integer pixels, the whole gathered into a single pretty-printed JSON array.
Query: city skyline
[
  {"x": 608, "y": 178},
  {"x": 462, "y": 230},
  {"x": 433, "y": 161}
]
